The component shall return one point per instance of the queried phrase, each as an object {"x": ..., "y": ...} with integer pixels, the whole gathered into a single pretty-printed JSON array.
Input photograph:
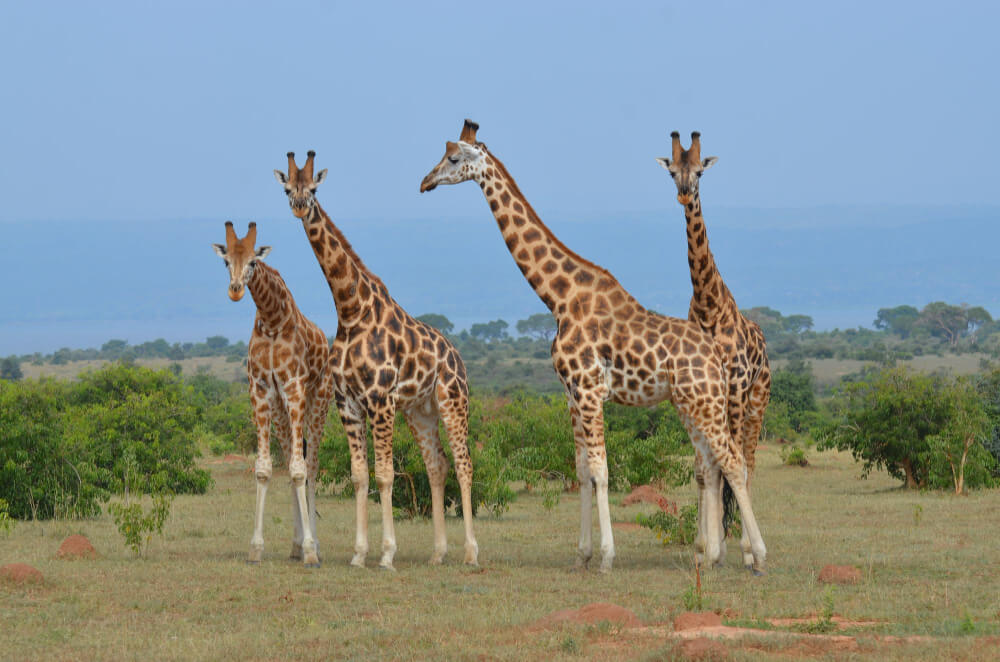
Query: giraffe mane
[
  {"x": 530, "y": 211},
  {"x": 348, "y": 248}
]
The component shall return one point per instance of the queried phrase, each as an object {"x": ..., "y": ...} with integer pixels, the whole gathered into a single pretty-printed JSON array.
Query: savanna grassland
[{"x": 929, "y": 566}]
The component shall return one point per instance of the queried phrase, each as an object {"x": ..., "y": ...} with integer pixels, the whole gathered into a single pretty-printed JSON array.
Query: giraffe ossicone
[
  {"x": 289, "y": 381},
  {"x": 382, "y": 361},
  {"x": 609, "y": 347}
]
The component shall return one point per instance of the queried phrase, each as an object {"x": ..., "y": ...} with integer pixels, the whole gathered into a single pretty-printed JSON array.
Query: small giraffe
[
  {"x": 289, "y": 384},
  {"x": 714, "y": 309},
  {"x": 608, "y": 347},
  {"x": 384, "y": 360}
]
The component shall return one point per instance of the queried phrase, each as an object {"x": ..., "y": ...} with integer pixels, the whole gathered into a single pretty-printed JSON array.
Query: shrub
[
  {"x": 918, "y": 428},
  {"x": 670, "y": 528}
]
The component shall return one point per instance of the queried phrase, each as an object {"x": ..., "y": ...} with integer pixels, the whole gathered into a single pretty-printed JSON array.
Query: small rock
[
  {"x": 20, "y": 573},
  {"x": 839, "y": 574},
  {"x": 76, "y": 547}
]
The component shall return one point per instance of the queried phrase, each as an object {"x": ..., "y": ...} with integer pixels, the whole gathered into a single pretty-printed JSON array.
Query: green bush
[
  {"x": 919, "y": 428},
  {"x": 62, "y": 445},
  {"x": 670, "y": 528}
]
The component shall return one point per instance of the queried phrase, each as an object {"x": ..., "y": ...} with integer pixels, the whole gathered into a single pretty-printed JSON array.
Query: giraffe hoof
[
  {"x": 387, "y": 568},
  {"x": 252, "y": 562},
  {"x": 312, "y": 565},
  {"x": 436, "y": 560},
  {"x": 756, "y": 572}
]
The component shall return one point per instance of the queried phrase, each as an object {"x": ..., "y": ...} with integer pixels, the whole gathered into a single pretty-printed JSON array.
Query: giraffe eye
[{"x": 453, "y": 160}]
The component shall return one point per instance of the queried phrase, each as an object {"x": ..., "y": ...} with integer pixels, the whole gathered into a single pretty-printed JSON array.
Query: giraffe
[
  {"x": 609, "y": 347},
  {"x": 384, "y": 361},
  {"x": 289, "y": 384},
  {"x": 714, "y": 309}
]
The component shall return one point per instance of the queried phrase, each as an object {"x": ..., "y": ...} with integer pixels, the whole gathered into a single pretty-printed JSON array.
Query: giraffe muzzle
[
  {"x": 235, "y": 293},
  {"x": 427, "y": 185}
]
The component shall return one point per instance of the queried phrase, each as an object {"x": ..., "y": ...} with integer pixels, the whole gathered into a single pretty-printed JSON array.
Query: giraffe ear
[
  {"x": 467, "y": 150},
  {"x": 709, "y": 162},
  {"x": 664, "y": 162},
  {"x": 281, "y": 177},
  {"x": 262, "y": 252},
  {"x": 220, "y": 250},
  {"x": 320, "y": 176}
]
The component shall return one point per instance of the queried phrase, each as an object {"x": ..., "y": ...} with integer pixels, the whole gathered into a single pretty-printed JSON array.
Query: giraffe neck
[
  {"x": 270, "y": 294},
  {"x": 556, "y": 273},
  {"x": 710, "y": 292},
  {"x": 351, "y": 283}
]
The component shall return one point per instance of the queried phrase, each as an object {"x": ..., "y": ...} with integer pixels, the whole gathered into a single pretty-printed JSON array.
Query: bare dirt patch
[
  {"x": 839, "y": 574},
  {"x": 649, "y": 494},
  {"x": 597, "y": 612},
  {"x": 840, "y": 622},
  {"x": 20, "y": 573},
  {"x": 701, "y": 649},
  {"x": 76, "y": 547},
  {"x": 691, "y": 620}
]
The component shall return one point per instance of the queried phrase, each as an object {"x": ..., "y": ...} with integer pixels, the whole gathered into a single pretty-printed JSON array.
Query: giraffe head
[
  {"x": 462, "y": 161},
  {"x": 300, "y": 185},
  {"x": 240, "y": 257},
  {"x": 686, "y": 166}
]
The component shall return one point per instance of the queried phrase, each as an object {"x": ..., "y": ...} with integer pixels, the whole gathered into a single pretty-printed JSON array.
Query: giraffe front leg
[
  {"x": 383, "y": 418},
  {"x": 353, "y": 420},
  {"x": 591, "y": 413},
  {"x": 585, "y": 548},
  {"x": 294, "y": 397},
  {"x": 263, "y": 468},
  {"x": 283, "y": 432}
]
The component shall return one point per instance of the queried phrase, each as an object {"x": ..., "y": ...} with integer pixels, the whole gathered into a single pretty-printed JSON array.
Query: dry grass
[
  {"x": 830, "y": 371},
  {"x": 929, "y": 564},
  {"x": 215, "y": 365}
]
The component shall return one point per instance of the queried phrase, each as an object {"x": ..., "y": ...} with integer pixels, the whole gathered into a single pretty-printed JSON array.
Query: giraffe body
[
  {"x": 383, "y": 361},
  {"x": 289, "y": 380},
  {"x": 713, "y": 307},
  {"x": 609, "y": 347}
]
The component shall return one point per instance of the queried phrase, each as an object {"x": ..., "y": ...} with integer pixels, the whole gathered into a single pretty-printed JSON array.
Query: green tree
[
  {"x": 540, "y": 325},
  {"x": 439, "y": 322},
  {"x": 489, "y": 331},
  {"x": 898, "y": 320},
  {"x": 10, "y": 369},
  {"x": 945, "y": 321},
  {"x": 957, "y": 454},
  {"x": 216, "y": 343},
  {"x": 886, "y": 420},
  {"x": 797, "y": 323}
]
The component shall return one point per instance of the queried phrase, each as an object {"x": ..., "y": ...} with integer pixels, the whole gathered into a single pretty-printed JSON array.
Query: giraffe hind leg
[
  {"x": 453, "y": 407},
  {"x": 423, "y": 425},
  {"x": 759, "y": 396}
]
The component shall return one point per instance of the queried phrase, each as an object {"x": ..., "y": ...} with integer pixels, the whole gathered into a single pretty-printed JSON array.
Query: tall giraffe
[
  {"x": 289, "y": 384},
  {"x": 608, "y": 347},
  {"x": 714, "y": 309},
  {"x": 384, "y": 360}
]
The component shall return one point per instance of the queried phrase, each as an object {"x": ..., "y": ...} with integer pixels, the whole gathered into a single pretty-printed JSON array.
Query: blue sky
[
  {"x": 149, "y": 113},
  {"x": 152, "y": 111}
]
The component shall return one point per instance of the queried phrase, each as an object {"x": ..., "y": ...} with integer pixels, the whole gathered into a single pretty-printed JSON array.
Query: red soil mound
[
  {"x": 20, "y": 573},
  {"x": 593, "y": 613},
  {"x": 691, "y": 620},
  {"x": 839, "y": 574},
  {"x": 647, "y": 494},
  {"x": 701, "y": 649},
  {"x": 76, "y": 547}
]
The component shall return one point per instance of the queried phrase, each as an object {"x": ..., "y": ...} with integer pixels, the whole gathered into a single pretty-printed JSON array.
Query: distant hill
[{"x": 78, "y": 284}]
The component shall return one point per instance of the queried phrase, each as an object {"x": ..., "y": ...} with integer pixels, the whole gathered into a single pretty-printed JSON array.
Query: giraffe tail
[{"x": 728, "y": 507}]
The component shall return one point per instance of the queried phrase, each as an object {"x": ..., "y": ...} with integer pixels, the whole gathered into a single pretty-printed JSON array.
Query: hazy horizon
[{"x": 857, "y": 155}]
